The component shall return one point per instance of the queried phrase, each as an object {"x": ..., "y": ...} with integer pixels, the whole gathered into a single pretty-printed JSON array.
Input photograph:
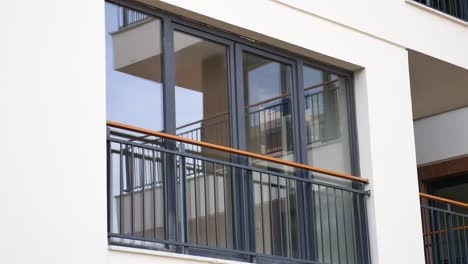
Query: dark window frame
[{"x": 236, "y": 44}]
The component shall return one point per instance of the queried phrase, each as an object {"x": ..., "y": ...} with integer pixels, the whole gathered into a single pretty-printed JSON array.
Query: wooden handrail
[
  {"x": 440, "y": 199},
  {"x": 236, "y": 151}
]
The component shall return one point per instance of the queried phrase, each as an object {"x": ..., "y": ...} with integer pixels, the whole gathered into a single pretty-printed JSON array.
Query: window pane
[
  {"x": 133, "y": 68},
  {"x": 268, "y": 124},
  {"x": 326, "y": 120},
  {"x": 201, "y": 89},
  {"x": 328, "y": 147},
  {"x": 202, "y": 114},
  {"x": 267, "y": 106},
  {"x": 134, "y": 97}
]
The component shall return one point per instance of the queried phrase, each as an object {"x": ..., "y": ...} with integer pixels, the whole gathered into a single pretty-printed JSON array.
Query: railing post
[
  {"x": 183, "y": 199},
  {"x": 109, "y": 179},
  {"x": 450, "y": 235}
]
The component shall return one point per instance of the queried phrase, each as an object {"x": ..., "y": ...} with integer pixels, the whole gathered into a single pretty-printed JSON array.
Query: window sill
[
  {"x": 172, "y": 255},
  {"x": 437, "y": 12}
]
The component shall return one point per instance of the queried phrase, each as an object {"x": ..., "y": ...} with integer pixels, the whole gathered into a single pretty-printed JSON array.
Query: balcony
[
  {"x": 455, "y": 8},
  {"x": 445, "y": 225},
  {"x": 182, "y": 195}
]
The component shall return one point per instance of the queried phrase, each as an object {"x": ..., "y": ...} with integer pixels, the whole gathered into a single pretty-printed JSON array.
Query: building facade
[{"x": 257, "y": 131}]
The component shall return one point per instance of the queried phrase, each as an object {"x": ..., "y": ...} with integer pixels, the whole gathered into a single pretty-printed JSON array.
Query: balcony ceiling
[{"x": 436, "y": 86}]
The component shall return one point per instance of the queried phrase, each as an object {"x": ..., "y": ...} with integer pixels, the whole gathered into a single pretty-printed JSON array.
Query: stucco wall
[
  {"x": 52, "y": 109},
  {"x": 53, "y": 106},
  {"x": 442, "y": 136}
]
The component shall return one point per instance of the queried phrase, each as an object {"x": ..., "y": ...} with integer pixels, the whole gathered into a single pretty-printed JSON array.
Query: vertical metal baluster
[
  {"x": 225, "y": 208},
  {"x": 244, "y": 208},
  {"x": 121, "y": 195},
  {"x": 272, "y": 240},
  {"x": 182, "y": 197},
  {"x": 215, "y": 196},
  {"x": 288, "y": 219},
  {"x": 433, "y": 234},
  {"x": 344, "y": 226},
  {"x": 280, "y": 216},
  {"x": 142, "y": 177},
  {"x": 110, "y": 182},
  {"x": 197, "y": 234},
  {"x": 459, "y": 240},
  {"x": 464, "y": 240},
  {"x": 312, "y": 233},
  {"x": 361, "y": 242},
  {"x": 132, "y": 190},
  {"x": 336, "y": 225},
  {"x": 450, "y": 235},
  {"x": 177, "y": 194},
  {"x": 321, "y": 224},
  {"x": 425, "y": 240},
  {"x": 253, "y": 235},
  {"x": 206, "y": 203},
  {"x": 329, "y": 225},
  {"x": 449, "y": 255},
  {"x": 261, "y": 208},
  {"x": 297, "y": 214},
  {"x": 164, "y": 192},
  {"x": 366, "y": 227},
  {"x": 353, "y": 228},
  {"x": 155, "y": 221},
  {"x": 441, "y": 246}
]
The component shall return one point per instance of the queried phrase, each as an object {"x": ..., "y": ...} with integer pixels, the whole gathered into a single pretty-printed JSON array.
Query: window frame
[{"x": 236, "y": 45}]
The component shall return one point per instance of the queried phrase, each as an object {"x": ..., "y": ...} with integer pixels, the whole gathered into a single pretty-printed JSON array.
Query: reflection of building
[{"x": 234, "y": 131}]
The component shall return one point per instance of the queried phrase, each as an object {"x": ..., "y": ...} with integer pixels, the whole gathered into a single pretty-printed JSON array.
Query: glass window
[
  {"x": 201, "y": 94},
  {"x": 134, "y": 97},
  {"x": 201, "y": 89},
  {"x": 267, "y": 107},
  {"x": 326, "y": 120},
  {"x": 133, "y": 68}
]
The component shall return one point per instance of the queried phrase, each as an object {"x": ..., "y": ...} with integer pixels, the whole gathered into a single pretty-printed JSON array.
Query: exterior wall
[
  {"x": 52, "y": 108},
  {"x": 53, "y": 101},
  {"x": 397, "y": 21},
  {"x": 385, "y": 132},
  {"x": 442, "y": 136}
]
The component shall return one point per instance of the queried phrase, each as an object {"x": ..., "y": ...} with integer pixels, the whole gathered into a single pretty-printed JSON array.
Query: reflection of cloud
[
  {"x": 261, "y": 84},
  {"x": 130, "y": 99},
  {"x": 189, "y": 106}
]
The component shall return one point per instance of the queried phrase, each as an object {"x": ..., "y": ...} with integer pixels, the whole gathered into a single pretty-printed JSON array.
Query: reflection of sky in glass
[
  {"x": 189, "y": 106},
  {"x": 130, "y": 99},
  {"x": 264, "y": 82},
  {"x": 137, "y": 101},
  {"x": 311, "y": 78}
]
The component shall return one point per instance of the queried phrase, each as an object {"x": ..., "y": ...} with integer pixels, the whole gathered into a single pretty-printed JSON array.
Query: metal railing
[
  {"x": 166, "y": 198},
  {"x": 267, "y": 119},
  {"x": 127, "y": 17},
  {"x": 455, "y": 8},
  {"x": 445, "y": 230}
]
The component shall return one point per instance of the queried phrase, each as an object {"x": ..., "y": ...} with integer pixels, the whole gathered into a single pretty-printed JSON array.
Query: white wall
[
  {"x": 396, "y": 21},
  {"x": 52, "y": 112},
  {"x": 385, "y": 131},
  {"x": 441, "y": 136},
  {"x": 53, "y": 101}
]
